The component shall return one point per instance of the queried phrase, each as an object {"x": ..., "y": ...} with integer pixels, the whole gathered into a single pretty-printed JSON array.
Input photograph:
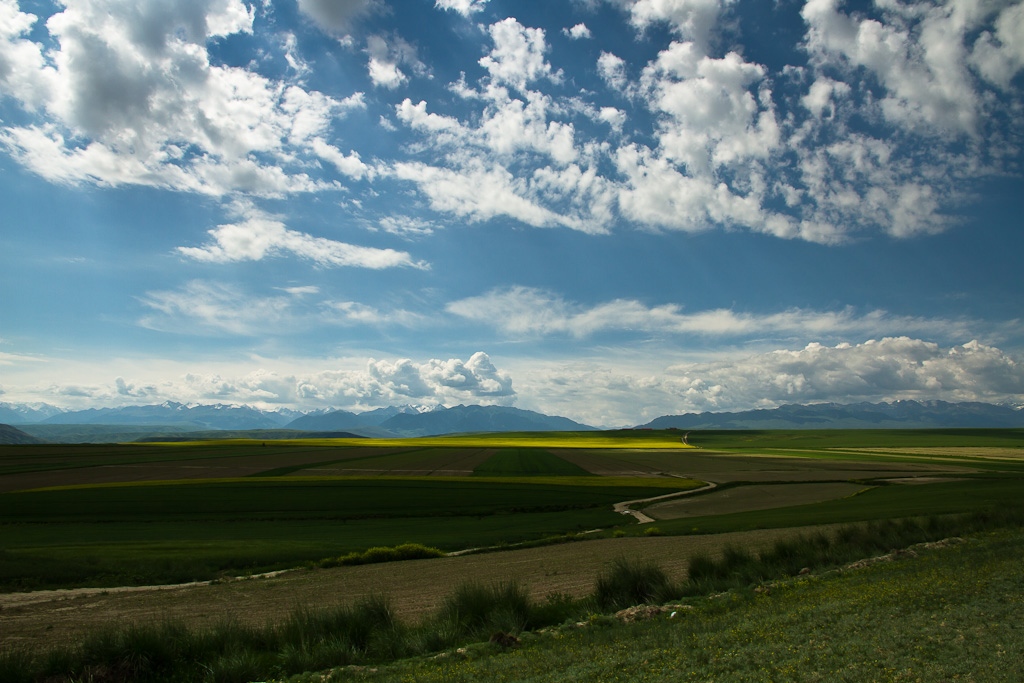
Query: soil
[
  {"x": 749, "y": 498},
  {"x": 416, "y": 588}
]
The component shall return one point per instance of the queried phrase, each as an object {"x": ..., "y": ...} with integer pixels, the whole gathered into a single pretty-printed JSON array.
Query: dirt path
[
  {"x": 416, "y": 588},
  {"x": 623, "y": 508}
]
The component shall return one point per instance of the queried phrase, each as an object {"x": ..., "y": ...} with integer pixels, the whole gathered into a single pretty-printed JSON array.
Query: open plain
[{"x": 97, "y": 536}]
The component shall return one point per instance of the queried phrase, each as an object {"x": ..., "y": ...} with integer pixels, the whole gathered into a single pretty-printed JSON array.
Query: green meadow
[
  {"x": 147, "y": 513},
  {"x": 166, "y": 513}
]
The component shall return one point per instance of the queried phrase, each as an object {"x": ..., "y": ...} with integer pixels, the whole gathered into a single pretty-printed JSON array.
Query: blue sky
[{"x": 609, "y": 210}]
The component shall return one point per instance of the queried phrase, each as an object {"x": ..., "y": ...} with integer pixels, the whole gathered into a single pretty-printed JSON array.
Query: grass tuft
[
  {"x": 478, "y": 610},
  {"x": 631, "y": 583}
]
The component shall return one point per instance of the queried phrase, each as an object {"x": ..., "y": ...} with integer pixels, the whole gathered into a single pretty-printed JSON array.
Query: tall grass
[
  {"x": 631, "y": 583},
  {"x": 476, "y": 610},
  {"x": 740, "y": 568}
]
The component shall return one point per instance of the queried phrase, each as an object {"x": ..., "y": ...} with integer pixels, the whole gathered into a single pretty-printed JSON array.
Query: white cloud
[
  {"x": 449, "y": 380},
  {"x": 624, "y": 391},
  {"x": 477, "y": 192},
  {"x": 612, "y": 69},
  {"x": 999, "y": 55},
  {"x": 917, "y": 52},
  {"x": 386, "y": 56},
  {"x": 128, "y": 95},
  {"x": 301, "y": 290},
  {"x": 713, "y": 118},
  {"x": 615, "y": 118},
  {"x": 406, "y": 226},
  {"x": 659, "y": 195},
  {"x": 820, "y": 99},
  {"x": 577, "y": 32},
  {"x": 349, "y": 164},
  {"x": 24, "y": 73},
  {"x": 463, "y": 7},
  {"x": 522, "y": 312},
  {"x": 693, "y": 20},
  {"x": 259, "y": 237},
  {"x": 355, "y": 312},
  {"x": 886, "y": 369},
  {"x": 518, "y": 55},
  {"x": 216, "y": 308},
  {"x": 621, "y": 389}
]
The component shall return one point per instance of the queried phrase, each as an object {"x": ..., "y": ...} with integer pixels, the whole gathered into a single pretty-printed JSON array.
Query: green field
[
  {"x": 515, "y": 462},
  {"x": 73, "y": 515},
  {"x": 143, "y": 514}
]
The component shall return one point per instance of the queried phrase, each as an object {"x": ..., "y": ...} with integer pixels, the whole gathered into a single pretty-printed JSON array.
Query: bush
[
  {"x": 478, "y": 610},
  {"x": 406, "y": 551},
  {"x": 632, "y": 583}
]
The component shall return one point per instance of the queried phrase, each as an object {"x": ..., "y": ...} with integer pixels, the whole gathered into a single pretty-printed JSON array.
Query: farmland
[{"x": 121, "y": 515}]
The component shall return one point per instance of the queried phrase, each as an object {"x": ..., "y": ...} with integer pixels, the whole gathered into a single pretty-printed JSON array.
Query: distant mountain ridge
[
  {"x": 170, "y": 419},
  {"x": 895, "y": 415},
  {"x": 10, "y": 436},
  {"x": 461, "y": 419},
  {"x": 177, "y": 420},
  {"x": 170, "y": 413},
  {"x": 410, "y": 421},
  {"x": 23, "y": 413}
]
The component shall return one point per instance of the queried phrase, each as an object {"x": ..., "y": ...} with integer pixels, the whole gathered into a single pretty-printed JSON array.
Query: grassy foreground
[{"x": 945, "y": 615}]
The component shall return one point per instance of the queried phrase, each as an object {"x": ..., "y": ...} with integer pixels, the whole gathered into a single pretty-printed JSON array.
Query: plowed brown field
[{"x": 416, "y": 588}]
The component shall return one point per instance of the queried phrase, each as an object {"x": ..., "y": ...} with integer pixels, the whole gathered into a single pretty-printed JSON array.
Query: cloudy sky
[{"x": 604, "y": 209}]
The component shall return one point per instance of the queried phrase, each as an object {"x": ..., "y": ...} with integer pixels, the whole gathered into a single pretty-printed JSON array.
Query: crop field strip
[
  {"x": 278, "y": 509},
  {"x": 439, "y": 461},
  {"x": 416, "y": 587},
  {"x": 752, "y": 497}
]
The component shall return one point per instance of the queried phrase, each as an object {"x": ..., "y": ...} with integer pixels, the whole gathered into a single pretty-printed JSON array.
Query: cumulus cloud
[
  {"x": 917, "y": 53},
  {"x": 998, "y": 54},
  {"x": 692, "y": 20},
  {"x": 612, "y": 69},
  {"x": 899, "y": 107},
  {"x": 577, "y": 32},
  {"x": 259, "y": 237},
  {"x": 518, "y": 55},
  {"x": 604, "y": 391},
  {"x": 463, "y": 7},
  {"x": 719, "y": 154},
  {"x": 886, "y": 369},
  {"x": 387, "y": 55},
  {"x": 601, "y": 392},
  {"x": 129, "y": 95},
  {"x": 477, "y": 379}
]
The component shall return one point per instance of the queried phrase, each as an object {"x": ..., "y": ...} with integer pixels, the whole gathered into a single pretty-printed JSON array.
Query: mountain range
[
  {"x": 176, "y": 419},
  {"x": 895, "y": 415}
]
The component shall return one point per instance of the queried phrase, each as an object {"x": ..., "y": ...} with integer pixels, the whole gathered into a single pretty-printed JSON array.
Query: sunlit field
[{"x": 106, "y": 517}]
